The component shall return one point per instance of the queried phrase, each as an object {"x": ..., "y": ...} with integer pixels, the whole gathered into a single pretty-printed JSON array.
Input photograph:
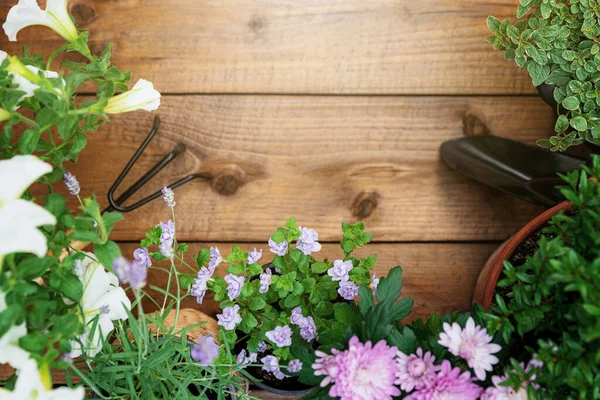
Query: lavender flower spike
[
  {"x": 71, "y": 183},
  {"x": 206, "y": 351},
  {"x": 278, "y": 248},
  {"x": 230, "y": 317},
  {"x": 265, "y": 281},
  {"x": 168, "y": 196},
  {"x": 234, "y": 285},
  {"x": 281, "y": 336},
  {"x": 348, "y": 290}
]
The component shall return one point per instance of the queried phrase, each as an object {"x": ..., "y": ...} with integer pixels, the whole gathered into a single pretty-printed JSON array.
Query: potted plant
[
  {"x": 269, "y": 309},
  {"x": 557, "y": 42},
  {"x": 546, "y": 301}
]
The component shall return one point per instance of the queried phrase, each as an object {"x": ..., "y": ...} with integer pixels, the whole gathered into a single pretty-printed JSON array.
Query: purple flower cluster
[
  {"x": 307, "y": 242},
  {"x": 340, "y": 270},
  {"x": 254, "y": 256},
  {"x": 198, "y": 289},
  {"x": 278, "y": 248},
  {"x": 308, "y": 329},
  {"x": 71, "y": 183},
  {"x": 229, "y": 318},
  {"x": 348, "y": 290},
  {"x": 449, "y": 383},
  {"x": 294, "y": 366},
  {"x": 242, "y": 359},
  {"x": 265, "y": 281},
  {"x": 142, "y": 258},
  {"x": 215, "y": 259},
  {"x": 270, "y": 364},
  {"x": 206, "y": 351},
  {"x": 262, "y": 346},
  {"x": 166, "y": 249},
  {"x": 281, "y": 336},
  {"x": 168, "y": 232},
  {"x": 168, "y": 196},
  {"x": 132, "y": 273},
  {"x": 234, "y": 285}
]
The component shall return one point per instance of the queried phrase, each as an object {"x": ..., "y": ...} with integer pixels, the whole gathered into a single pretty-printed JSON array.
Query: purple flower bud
[
  {"x": 198, "y": 289},
  {"x": 168, "y": 196},
  {"x": 215, "y": 259},
  {"x": 130, "y": 272},
  {"x": 296, "y": 316},
  {"x": 243, "y": 360},
  {"x": 307, "y": 242},
  {"x": 71, "y": 183},
  {"x": 105, "y": 309},
  {"x": 168, "y": 232},
  {"x": 230, "y": 317},
  {"x": 278, "y": 248},
  {"x": 141, "y": 257},
  {"x": 374, "y": 283},
  {"x": 206, "y": 351},
  {"x": 270, "y": 364},
  {"x": 262, "y": 346},
  {"x": 340, "y": 270},
  {"x": 254, "y": 256},
  {"x": 234, "y": 285},
  {"x": 281, "y": 336},
  {"x": 308, "y": 330},
  {"x": 348, "y": 290},
  {"x": 265, "y": 281},
  {"x": 166, "y": 249},
  {"x": 294, "y": 366}
]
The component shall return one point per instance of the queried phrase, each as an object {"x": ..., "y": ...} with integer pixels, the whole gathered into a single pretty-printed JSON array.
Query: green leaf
[
  {"x": 309, "y": 284},
  {"x": 65, "y": 325},
  {"x": 278, "y": 236},
  {"x": 203, "y": 257},
  {"x": 28, "y": 141},
  {"x": 579, "y": 123},
  {"x": 33, "y": 342},
  {"x": 34, "y": 267},
  {"x": 402, "y": 309},
  {"x": 186, "y": 280},
  {"x": 493, "y": 23},
  {"x": 406, "y": 341},
  {"x": 291, "y": 301},
  {"x": 345, "y": 313},
  {"x": 571, "y": 103},
  {"x": 319, "y": 267},
  {"x": 66, "y": 283},
  {"x": 324, "y": 308},
  {"x": 390, "y": 287},
  {"x": 257, "y": 303},
  {"x": 562, "y": 123},
  {"x": 107, "y": 253},
  {"x": 366, "y": 303}
]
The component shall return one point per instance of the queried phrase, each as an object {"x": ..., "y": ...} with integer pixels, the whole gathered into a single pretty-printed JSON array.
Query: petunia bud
[{"x": 142, "y": 96}]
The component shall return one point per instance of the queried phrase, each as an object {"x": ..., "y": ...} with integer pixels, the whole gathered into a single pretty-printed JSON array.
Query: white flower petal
[
  {"x": 29, "y": 385},
  {"x": 10, "y": 351},
  {"x": 142, "y": 96},
  {"x": 2, "y": 301},
  {"x": 116, "y": 300},
  {"x": 17, "y": 174},
  {"x": 19, "y": 222},
  {"x": 28, "y": 12},
  {"x": 3, "y": 55}
]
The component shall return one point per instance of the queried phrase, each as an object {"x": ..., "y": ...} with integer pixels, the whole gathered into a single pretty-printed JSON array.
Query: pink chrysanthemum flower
[
  {"x": 498, "y": 392},
  {"x": 366, "y": 372},
  {"x": 415, "y": 370},
  {"x": 325, "y": 365},
  {"x": 473, "y": 344},
  {"x": 449, "y": 384}
]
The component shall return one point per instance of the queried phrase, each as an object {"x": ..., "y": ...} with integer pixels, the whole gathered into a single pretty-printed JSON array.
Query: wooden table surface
[{"x": 327, "y": 110}]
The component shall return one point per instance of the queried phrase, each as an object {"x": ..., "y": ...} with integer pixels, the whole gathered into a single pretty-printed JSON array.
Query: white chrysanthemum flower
[
  {"x": 142, "y": 96},
  {"x": 473, "y": 344},
  {"x": 19, "y": 219},
  {"x": 28, "y": 12}
]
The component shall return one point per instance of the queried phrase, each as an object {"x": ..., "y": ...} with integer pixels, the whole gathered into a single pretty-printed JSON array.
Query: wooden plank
[
  {"x": 298, "y": 46},
  {"x": 322, "y": 159}
]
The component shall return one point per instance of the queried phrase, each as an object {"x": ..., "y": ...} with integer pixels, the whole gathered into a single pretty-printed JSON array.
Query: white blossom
[
  {"x": 10, "y": 351},
  {"x": 28, "y": 12},
  {"x": 142, "y": 96}
]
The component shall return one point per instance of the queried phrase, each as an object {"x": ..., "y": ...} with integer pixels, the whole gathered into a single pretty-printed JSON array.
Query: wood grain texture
[
  {"x": 322, "y": 159},
  {"x": 298, "y": 46}
]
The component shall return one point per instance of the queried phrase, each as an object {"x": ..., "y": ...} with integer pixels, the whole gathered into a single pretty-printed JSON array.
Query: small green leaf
[
  {"x": 257, "y": 303},
  {"x": 579, "y": 123},
  {"x": 571, "y": 103}
]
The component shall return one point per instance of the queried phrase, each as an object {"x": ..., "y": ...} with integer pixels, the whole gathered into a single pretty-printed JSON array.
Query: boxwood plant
[{"x": 557, "y": 41}]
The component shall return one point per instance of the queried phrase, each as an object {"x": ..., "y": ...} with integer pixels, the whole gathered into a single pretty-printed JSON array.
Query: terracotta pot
[{"x": 490, "y": 274}]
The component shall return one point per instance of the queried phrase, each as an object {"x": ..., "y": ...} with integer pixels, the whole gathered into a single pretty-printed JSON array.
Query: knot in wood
[
  {"x": 227, "y": 181},
  {"x": 473, "y": 125},
  {"x": 83, "y": 13},
  {"x": 364, "y": 204}
]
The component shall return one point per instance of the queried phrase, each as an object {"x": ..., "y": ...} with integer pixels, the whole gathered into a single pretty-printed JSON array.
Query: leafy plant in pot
[
  {"x": 291, "y": 303},
  {"x": 546, "y": 301},
  {"x": 557, "y": 42}
]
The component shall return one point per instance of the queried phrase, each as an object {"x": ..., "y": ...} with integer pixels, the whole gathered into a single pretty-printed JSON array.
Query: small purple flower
[
  {"x": 340, "y": 270},
  {"x": 348, "y": 290},
  {"x": 206, "y": 351},
  {"x": 262, "y": 346},
  {"x": 278, "y": 248},
  {"x": 307, "y": 242},
  {"x": 270, "y": 364},
  {"x": 141, "y": 257},
  {"x": 243, "y": 360},
  {"x": 230, "y": 317},
  {"x": 294, "y": 366},
  {"x": 234, "y": 285},
  {"x": 215, "y": 259},
  {"x": 168, "y": 231},
  {"x": 265, "y": 281},
  {"x": 281, "y": 336},
  {"x": 71, "y": 183},
  {"x": 132, "y": 273},
  {"x": 166, "y": 249},
  {"x": 308, "y": 330},
  {"x": 374, "y": 283},
  {"x": 168, "y": 196},
  {"x": 254, "y": 256},
  {"x": 296, "y": 316},
  {"x": 198, "y": 289}
]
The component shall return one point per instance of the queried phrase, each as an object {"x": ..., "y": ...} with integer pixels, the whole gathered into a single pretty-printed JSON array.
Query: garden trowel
[{"x": 527, "y": 172}]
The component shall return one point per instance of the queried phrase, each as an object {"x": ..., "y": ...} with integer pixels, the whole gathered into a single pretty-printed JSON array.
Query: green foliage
[
  {"x": 553, "y": 303},
  {"x": 557, "y": 41}
]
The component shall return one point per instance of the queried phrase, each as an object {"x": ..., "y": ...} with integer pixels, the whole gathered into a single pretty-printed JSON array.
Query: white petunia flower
[
  {"x": 28, "y": 12},
  {"x": 142, "y": 96},
  {"x": 10, "y": 351},
  {"x": 25, "y": 77},
  {"x": 19, "y": 219},
  {"x": 473, "y": 344},
  {"x": 102, "y": 297},
  {"x": 31, "y": 385}
]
